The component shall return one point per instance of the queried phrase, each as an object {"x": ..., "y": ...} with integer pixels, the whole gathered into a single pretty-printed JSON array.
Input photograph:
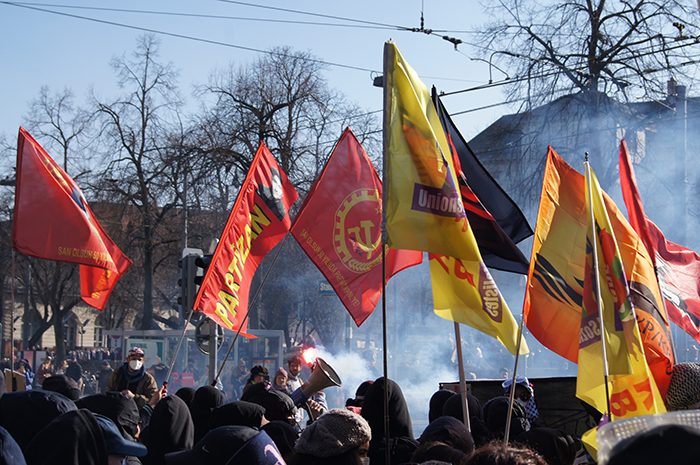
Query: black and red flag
[
  {"x": 259, "y": 220},
  {"x": 496, "y": 220}
]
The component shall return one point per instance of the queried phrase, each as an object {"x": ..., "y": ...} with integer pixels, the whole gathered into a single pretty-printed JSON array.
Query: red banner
[
  {"x": 678, "y": 268},
  {"x": 258, "y": 221},
  {"x": 97, "y": 284},
  {"x": 339, "y": 228},
  {"x": 52, "y": 220}
]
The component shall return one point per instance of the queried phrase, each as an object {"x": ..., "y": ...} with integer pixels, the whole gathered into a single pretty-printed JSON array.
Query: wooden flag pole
[
  {"x": 462, "y": 381},
  {"x": 511, "y": 395},
  {"x": 599, "y": 296}
]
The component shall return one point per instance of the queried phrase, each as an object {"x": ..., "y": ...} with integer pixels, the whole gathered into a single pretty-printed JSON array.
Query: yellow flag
[
  {"x": 465, "y": 292},
  {"x": 423, "y": 206},
  {"x": 632, "y": 389}
]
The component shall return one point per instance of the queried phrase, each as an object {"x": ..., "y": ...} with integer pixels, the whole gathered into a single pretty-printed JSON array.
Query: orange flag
[
  {"x": 339, "y": 228},
  {"x": 259, "y": 219},
  {"x": 553, "y": 298},
  {"x": 52, "y": 220}
]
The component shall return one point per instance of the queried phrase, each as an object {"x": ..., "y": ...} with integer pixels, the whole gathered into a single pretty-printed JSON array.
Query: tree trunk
[
  {"x": 147, "y": 318},
  {"x": 60, "y": 334}
]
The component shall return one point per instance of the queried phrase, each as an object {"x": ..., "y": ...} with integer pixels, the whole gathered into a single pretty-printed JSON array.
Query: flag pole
[
  {"x": 511, "y": 395},
  {"x": 177, "y": 349},
  {"x": 462, "y": 381},
  {"x": 388, "y": 58},
  {"x": 12, "y": 323},
  {"x": 252, "y": 302},
  {"x": 663, "y": 302},
  {"x": 599, "y": 297}
]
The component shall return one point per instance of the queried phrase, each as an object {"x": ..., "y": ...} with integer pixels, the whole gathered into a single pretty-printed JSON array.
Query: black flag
[{"x": 496, "y": 220}]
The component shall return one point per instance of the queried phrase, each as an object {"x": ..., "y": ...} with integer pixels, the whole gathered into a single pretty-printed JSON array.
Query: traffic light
[
  {"x": 188, "y": 286},
  {"x": 202, "y": 262}
]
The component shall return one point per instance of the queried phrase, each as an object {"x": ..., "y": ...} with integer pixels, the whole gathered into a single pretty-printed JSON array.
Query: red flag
[
  {"x": 52, "y": 220},
  {"x": 678, "y": 268},
  {"x": 258, "y": 221},
  {"x": 339, "y": 228},
  {"x": 97, "y": 284}
]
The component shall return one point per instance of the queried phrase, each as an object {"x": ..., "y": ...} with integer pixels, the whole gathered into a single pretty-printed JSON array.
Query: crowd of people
[{"x": 135, "y": 421}]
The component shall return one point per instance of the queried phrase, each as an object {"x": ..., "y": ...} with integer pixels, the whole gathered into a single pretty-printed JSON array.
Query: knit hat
[
  {"x": 684, "y": 388},
  {"x": 136, "y": 351},
  {"x": 334, "y": 433},
  {"x": 281, "y": 371}
]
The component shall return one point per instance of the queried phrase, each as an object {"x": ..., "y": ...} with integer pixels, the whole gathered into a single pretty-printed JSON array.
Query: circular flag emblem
[{"x": 357, "y": 235}]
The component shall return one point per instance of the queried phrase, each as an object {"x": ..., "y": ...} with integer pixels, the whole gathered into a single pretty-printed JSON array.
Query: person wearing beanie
[
  {"x": 258, "y": 374},
  {"x": 524, "y": 394},
  {"x": 338, "y": 437},
  {"x": 132, "y": 379},
  {"x": 280, "y": 381},
  {"x": 684, "y": 389}
]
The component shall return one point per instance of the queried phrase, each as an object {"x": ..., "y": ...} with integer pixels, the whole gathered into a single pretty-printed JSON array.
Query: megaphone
[{"x": 322, "y": 376}]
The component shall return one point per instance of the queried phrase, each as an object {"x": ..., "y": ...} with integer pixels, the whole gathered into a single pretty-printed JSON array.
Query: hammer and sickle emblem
[{"x": 365, "y": 245}]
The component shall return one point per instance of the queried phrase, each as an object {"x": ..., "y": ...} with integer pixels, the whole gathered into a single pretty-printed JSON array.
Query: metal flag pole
[
  {"x": 663, "y": 302},
  {"x": 177, "y": 349},
  {"x": 250, "y": 305},
  {"x": 511, "y": 395},
  {"x": 386, "y": 361},
  {"x": 386, "y": 94},
  {"x": 462, "y": 381},
  {"x": 12, "y": 324},
  {"x": 599, "y": 297}
]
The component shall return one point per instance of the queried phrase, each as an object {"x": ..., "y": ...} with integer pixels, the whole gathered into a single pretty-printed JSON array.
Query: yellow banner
[
  {"x": 423, "y": 206},
  {"x": 632, "y": 389},
  {"x": 466, "y": 293}
]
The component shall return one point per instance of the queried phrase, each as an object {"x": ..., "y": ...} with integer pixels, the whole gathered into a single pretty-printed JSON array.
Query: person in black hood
[
  {"x": 186, "y": 394},
  {"x": 450, "y": 431},
  {"x": 453, "y": 408},
  {"x": 170, "y": 430},
  {"x": 284, "y": 436},
  {"x": 437, "y": 402},
  {"x": 116, "y": 406},
  {"x": 238, "y": 413},
  {"x": 63, "y": 385},
  {"x": 74, "y": 438},
  {"x": 400, "y": 428},
  {"x": 206, "y": 399},
  {"x": 25, "y": 413},
  {"x": 10, "y": 453}
]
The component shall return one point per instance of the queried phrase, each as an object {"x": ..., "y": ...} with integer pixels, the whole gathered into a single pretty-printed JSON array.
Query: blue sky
[{"x": 42, "y": 48}]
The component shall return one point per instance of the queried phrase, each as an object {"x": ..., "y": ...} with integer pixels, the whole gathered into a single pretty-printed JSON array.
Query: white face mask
[
  {"x": 365, "y": 460},
  {"x": 135, "y": 364}
]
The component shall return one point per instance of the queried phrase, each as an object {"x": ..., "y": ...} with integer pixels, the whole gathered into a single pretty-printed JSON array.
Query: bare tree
[
  {"x": 140, "y": 164},
  {"x": 283, "y": 100},
  {"x": 588, "y": 61},
  {"x": 58, "y": 123}
]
